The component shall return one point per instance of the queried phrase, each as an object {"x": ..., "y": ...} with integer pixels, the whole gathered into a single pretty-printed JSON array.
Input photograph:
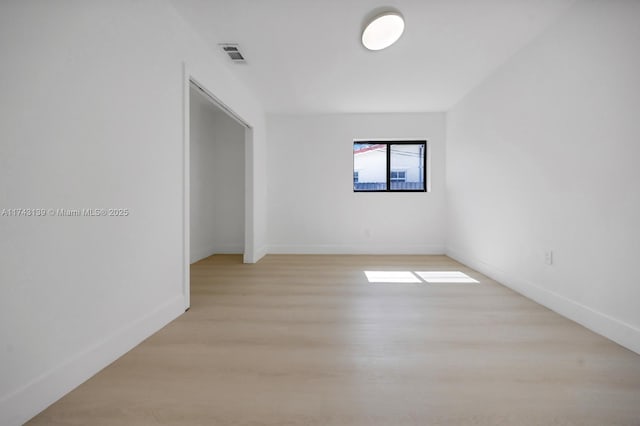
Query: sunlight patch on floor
[
  {"x": 431, "y": 277},
  {"x": 445, "y": 277},
  {"x": 391, "y": 277}
]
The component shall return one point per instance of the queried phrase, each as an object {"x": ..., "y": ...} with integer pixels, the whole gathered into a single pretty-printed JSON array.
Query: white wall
[
  {"x": 312, "y": 206},
  {"x": 91, "y": 116},
  {"x": 217, "y": 180},
  {"x": 544, "y": 155}
]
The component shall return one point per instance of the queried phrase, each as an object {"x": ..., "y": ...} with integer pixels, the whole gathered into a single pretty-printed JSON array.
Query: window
[
  {"x": 398, "y": 176},
  {"x": 385, "y": 166}
]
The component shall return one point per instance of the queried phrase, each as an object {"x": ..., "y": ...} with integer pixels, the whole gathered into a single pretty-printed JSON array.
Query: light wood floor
[{"x": 306, "y": 340}]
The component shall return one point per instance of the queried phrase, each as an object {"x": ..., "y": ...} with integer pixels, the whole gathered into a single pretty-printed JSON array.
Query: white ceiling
[{"x": 305, "y": 56}]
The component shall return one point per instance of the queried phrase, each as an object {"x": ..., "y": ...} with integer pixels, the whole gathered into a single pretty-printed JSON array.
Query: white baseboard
[
  {"x": 230, "y": 249},
  {"x": 24, "y": 403},
  {"x": 620, "y": 332},
  {"x": 357, "y": 249},
  {"x": 197, "y": 255}
]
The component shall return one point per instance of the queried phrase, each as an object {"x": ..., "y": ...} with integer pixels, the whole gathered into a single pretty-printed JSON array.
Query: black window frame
[{"x": 388, "y": 144}]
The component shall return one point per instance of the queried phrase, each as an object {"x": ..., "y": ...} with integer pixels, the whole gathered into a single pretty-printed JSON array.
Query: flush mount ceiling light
[{"x": 382, "y": 30}]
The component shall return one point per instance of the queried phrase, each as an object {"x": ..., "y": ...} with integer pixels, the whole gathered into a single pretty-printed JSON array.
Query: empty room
[{"x": 297, "y": 212}]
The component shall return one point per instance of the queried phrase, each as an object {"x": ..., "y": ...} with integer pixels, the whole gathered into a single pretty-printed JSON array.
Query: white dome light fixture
[{"x": 383, "y": 30}]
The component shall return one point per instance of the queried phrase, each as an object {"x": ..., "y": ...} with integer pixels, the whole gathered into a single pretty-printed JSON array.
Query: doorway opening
[
  {"x": 216, "y": 179},
  {"x": 217, "y": 188}
]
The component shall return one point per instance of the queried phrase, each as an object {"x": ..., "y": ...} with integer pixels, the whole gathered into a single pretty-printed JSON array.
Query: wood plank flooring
[{"x": 307, "y": 340}]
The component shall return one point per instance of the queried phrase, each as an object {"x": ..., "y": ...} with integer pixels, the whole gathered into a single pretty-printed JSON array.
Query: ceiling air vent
[{"x": 233, "y": 51}]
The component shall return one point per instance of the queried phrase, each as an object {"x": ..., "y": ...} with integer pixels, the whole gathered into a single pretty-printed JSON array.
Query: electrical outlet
[{"x": 548, "y": 257}]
